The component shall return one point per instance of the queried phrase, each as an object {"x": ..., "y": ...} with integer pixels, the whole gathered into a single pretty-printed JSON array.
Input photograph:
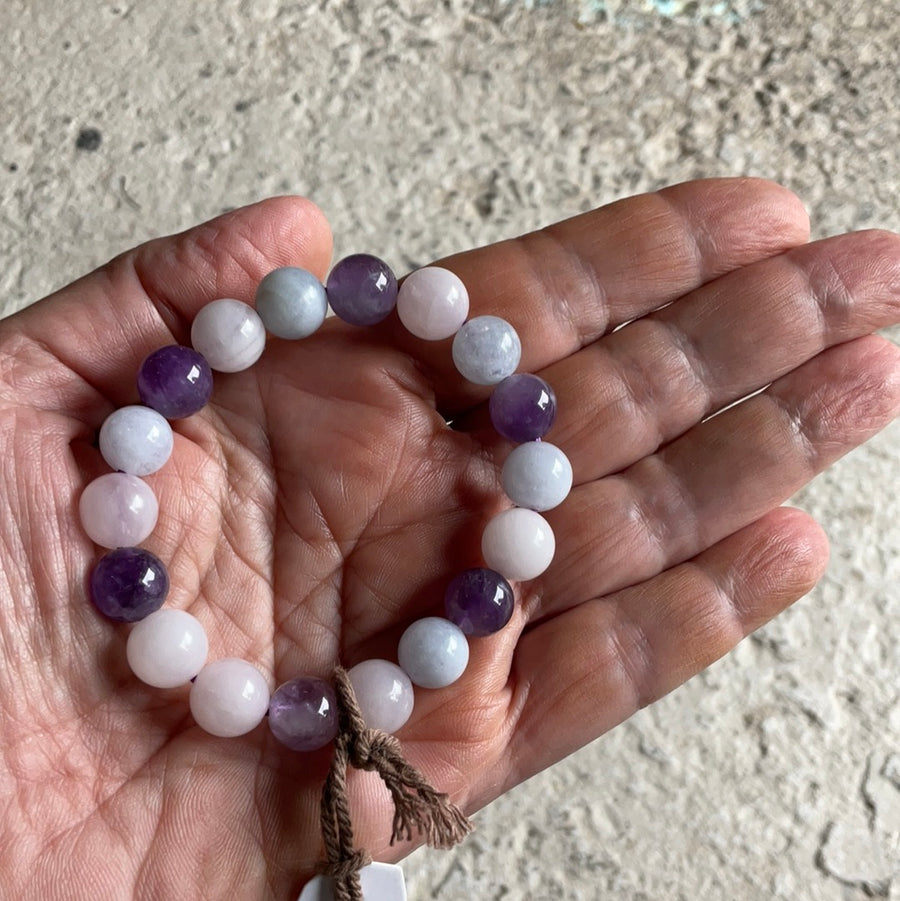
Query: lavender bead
[
  {"x": 486, "y": 350},
  {"x": 175, "y": 381},
  {"x": 136, "y": 440},
  {"x": 433, "y": 652},
  {"x": 479, "y": 601},
  {"x": 303, "y": 714},
  {"x": 523, "y": 407},
  {"x": 128, "y": 584},
  {"x": 291, "y": 302},
  {"x": 361, "y": 289},
  {"x": 118, "y": 510},
  {"x": 229, "y": 333},
  {"x": 537, "y": 475},
  {"x": 383, "y": 692}
]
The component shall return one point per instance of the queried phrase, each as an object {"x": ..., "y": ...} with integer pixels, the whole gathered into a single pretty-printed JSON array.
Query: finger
[
  {"x": 564, "y": 286},
  {"x": 579, "y": 674},
  {"x": 720, "y": 476},
  {"x": 103, "y": 325},
  {"x": 642, "y": 386}
]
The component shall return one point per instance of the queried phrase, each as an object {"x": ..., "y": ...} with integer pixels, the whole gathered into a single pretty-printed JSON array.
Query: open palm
[{"x": 321, "y": 502}]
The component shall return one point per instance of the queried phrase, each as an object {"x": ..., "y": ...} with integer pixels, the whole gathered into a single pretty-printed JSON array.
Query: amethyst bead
[
  {"x": 523, "y": 407},
  {"x": 361, "y": 289},
  {"x": 128, "y": 584},
  {"x": 303, "y": 714},
  {"x": 175, "y": 381},
  {"x": 480, "y": 601}
]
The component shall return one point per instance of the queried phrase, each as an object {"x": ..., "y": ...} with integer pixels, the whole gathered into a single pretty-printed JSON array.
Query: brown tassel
[{"x": 418, "y": 808}]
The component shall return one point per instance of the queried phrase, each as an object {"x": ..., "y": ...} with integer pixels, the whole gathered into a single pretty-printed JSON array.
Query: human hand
[{"x": 320, "y": 503}]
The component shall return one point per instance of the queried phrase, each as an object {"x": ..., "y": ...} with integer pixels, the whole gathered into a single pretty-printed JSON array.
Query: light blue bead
[
  {"x": 486, "y": 350},
  {"x": 291, "y": 302},
  {"x": 433, "y": 652},
  {"x": 136, "y": 440},
  {"x": 537, "y": 475}
]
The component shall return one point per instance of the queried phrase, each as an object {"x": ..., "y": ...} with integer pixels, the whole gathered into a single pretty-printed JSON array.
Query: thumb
[{"x": 103, "y": 325}]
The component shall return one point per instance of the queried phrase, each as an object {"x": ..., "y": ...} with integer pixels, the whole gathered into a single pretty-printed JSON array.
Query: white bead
[
  {"x": 229, "y": 334},
  {"x": 167, "y": 648},
  {"x": 383, "y": 692},
  {"x": 433, "y": 652},
  {"x": 118, "y": 510},
  {"x": 136, "y": 440},
  {"x": 537, "y": 475},
  {"x": 518, "y": 544},
  {"x": 433, "y": 303},
  {"x": 229, "y": 697},
  {"x": 378, "y": 882}
]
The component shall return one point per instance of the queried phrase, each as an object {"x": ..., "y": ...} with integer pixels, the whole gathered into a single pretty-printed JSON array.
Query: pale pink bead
[
  {"x": 229, "y": 697},
  {"x": 433, "y": 303},
  {"x": 383, "y": 692},
  {"x": 229, "y": 334},
  {"x": 518, "y": 543},
  {"x": 118, "y": 510}
]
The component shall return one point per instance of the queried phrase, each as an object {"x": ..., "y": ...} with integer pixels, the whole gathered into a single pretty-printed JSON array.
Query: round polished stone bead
[
  {"x": 128, "y": 584},
  {"x": 167, "y": 649},
  {"x": 230, "y": 334},
  {"x": 523, "y": 407},
  {"x": 175, "y": 381},
  {"x": 537, "y": 475},
  {"x": 291, "y": 302},
  {"x": 480, "y": 601},
  {"x": 361, "y": 289},
  {"x": 486, "y": 350},
  {"x": 136, "y": 440},
  {"x": 303, "y": 714},
  {"x": 383, "y": 692},
  {"x": 518, "y": 543},
  {"x": 229, "y": 697},
  {"x": 433, "y": 303},
  {"x": 433, "y": 652},
  {"x": 118, "y": 510}
]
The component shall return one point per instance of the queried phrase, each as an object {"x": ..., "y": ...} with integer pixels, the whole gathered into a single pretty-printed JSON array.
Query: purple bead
[
  {"x": 480, "y": 601},
  {"x": 128, "y": 584},
  {"x": 361, "y": 289},
  {"x": 303, "y": 714},
  {"x": 523, "y": 407},
  {"x": 175, "y": 381}
]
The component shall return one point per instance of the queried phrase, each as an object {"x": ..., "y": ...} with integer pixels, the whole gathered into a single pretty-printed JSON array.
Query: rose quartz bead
[
  {"x": 518, "y": 544},
  {"x": 167, "y": 649},
  {"x": 229, "y": 697},
  {"x": 384, "y": 694},
  {"x": 118, "y": 510},
  {"x": 433, "y": 303},
  {"x": 229, "y": 334}
]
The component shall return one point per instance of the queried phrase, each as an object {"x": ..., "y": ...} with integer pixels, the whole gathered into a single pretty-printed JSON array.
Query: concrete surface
[{"x": 425, "y": 126}]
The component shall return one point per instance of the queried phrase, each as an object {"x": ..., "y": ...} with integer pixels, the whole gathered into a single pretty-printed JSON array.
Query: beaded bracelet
[{"x": 168, "y": 648}]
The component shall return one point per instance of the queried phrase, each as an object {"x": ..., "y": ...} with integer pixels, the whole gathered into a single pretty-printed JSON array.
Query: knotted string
[{"x": 417, "y": 806}]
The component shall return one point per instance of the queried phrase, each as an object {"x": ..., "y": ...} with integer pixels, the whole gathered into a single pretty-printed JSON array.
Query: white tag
[{"x": 379, "y": 882}]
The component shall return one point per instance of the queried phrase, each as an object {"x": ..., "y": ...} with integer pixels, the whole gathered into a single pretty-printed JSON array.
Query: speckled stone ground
[{"x": 423, "y": 127}]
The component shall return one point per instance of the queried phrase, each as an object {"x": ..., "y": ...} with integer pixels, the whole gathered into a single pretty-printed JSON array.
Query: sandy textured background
[{"x": 426, "y": 126}]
